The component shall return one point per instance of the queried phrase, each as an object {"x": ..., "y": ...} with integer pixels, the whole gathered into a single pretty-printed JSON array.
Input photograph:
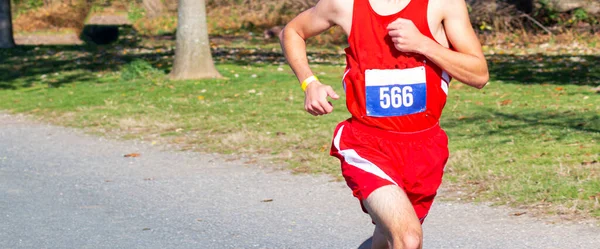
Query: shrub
[
  {"x": 58, "y": 16},
  {"x": 140, "y": 69}
]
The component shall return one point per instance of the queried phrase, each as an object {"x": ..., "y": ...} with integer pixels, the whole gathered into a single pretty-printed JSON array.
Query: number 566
[{"x": 395, "y": 97}]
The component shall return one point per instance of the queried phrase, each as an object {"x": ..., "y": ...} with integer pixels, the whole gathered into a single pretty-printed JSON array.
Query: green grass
[
  {"x": 527, "y": 144},
  {"x": 135, "y": 12},
  {"x": 529, "y": 139}
]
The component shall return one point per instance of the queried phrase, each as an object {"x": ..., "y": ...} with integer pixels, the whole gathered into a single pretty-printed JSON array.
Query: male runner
[{"x": 401, "y": 57}]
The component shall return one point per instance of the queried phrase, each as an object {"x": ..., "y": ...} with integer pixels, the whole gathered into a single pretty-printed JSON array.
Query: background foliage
[{"x": 488, "y": 16}]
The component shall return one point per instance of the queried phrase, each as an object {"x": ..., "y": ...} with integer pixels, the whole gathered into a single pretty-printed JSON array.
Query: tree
[
  {"x": 193, "y": 59},
  {"x": 6, "y": 32}
]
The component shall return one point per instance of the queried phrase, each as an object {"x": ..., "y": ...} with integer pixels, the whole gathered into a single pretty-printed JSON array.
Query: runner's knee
[
  {"x": 404, "y": 236},
  {"x": 395, "y": 218},
  {"x": 412, "y": 239},
  {"x": 409, "y": 239},
  {"x": 380, "y": 240}
]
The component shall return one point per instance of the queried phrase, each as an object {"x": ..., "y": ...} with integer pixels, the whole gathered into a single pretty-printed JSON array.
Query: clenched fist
[
  {"x": 406, "y": 36},
  {"x": 315, "y": 98}
]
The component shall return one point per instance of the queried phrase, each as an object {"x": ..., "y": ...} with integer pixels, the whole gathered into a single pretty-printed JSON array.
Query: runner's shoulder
[
  {"x": 337, "y": 8},
  {"x": 338, "y": 4},
  {"x": 447, "y": 6},
  {"x": 447, "y": 3}
]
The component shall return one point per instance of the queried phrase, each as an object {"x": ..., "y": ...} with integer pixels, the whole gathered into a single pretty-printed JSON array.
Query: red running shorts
[{"x": 372, "y": 158}]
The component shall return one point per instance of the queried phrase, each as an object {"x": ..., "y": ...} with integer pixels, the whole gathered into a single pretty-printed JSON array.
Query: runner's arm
[
  {"x": 307, "y": 24},
  {"x": 467, "y": 64},
  {"x": 293, "y": 42}
]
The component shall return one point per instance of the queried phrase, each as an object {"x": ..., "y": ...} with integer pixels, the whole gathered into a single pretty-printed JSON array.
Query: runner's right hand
[{"x": 315, "y": 98}]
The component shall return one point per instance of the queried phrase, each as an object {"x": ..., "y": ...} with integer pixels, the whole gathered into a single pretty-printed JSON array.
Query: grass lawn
[{"x": 529, "y": 139}]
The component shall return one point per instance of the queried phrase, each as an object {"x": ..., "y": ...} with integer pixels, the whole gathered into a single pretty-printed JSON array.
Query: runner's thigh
[{"x": 390, "y": 208}]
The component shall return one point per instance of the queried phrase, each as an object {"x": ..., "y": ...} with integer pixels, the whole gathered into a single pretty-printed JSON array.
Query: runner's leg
[
  {"x": 395, "y": 217},
  {"x": 379, "y": 241}
]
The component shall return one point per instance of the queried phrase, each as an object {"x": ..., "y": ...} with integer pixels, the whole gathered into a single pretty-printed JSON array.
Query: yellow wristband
[{"x": 307, "y": 81}]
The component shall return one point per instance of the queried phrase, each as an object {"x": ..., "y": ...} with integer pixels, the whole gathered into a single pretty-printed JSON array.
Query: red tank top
[{"x": 391, "y": 100}]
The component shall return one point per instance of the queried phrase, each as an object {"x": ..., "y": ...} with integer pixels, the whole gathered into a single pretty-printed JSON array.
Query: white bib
[{"x": 395, "y": 92}]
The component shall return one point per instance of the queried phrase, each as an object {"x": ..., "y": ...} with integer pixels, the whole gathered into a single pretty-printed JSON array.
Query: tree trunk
[
  {"x": 193, "y": 59},
  {"x": 6, "y": 32}
]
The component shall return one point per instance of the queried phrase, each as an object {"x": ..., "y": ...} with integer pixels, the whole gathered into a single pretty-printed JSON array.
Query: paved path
[{"x": 60, "y": 188}]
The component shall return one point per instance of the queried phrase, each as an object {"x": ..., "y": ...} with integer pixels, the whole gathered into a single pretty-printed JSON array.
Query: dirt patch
[
  {"x": 108, "y": 20},
  {"x": 47, "y": 39},
  {"x": 71, "y": 37}
]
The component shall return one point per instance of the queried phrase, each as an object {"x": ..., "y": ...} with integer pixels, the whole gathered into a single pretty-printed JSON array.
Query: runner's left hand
[{"x": 406, "y": 36}]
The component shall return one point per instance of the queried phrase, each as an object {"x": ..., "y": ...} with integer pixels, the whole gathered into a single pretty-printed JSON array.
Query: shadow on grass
[
  {"x": 25, "y": 66},
  {"x": 529, "y": 121},
  {"x": 545, "y": 69},
  {"x": 28, "y": 65}
]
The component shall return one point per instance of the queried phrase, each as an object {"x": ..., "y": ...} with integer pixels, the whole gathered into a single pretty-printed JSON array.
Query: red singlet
[{"x": 391, "y": 105}]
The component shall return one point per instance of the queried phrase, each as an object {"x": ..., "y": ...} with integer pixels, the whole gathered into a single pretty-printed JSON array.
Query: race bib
[{"x": 395, "y": 92}]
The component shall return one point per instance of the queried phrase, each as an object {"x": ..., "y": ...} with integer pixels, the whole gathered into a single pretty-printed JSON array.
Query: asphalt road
[{"x": 60, "y": 188}]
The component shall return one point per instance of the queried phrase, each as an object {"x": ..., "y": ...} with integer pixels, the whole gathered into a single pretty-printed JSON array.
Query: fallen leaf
[
  {"x": 324, "y": 147},
  {"x": 559, "y": 89},
  {"x": 518, "y": 213},
  {"x": 133, "y": 155},
  {"x": 267, "y": 200},
  {"x": 589, "y": 162},
  {"x": 462, "y": 117},
  {"x": 506, "y": 102}
]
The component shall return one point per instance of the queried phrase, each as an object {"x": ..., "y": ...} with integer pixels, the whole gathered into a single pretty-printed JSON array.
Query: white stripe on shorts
[{"x": 352, "y": 158}]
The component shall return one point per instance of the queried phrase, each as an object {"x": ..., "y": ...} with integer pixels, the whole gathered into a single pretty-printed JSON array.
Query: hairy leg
[
  {"x": 379, "y": 241},
  {"x": 395, "y": 217}
]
